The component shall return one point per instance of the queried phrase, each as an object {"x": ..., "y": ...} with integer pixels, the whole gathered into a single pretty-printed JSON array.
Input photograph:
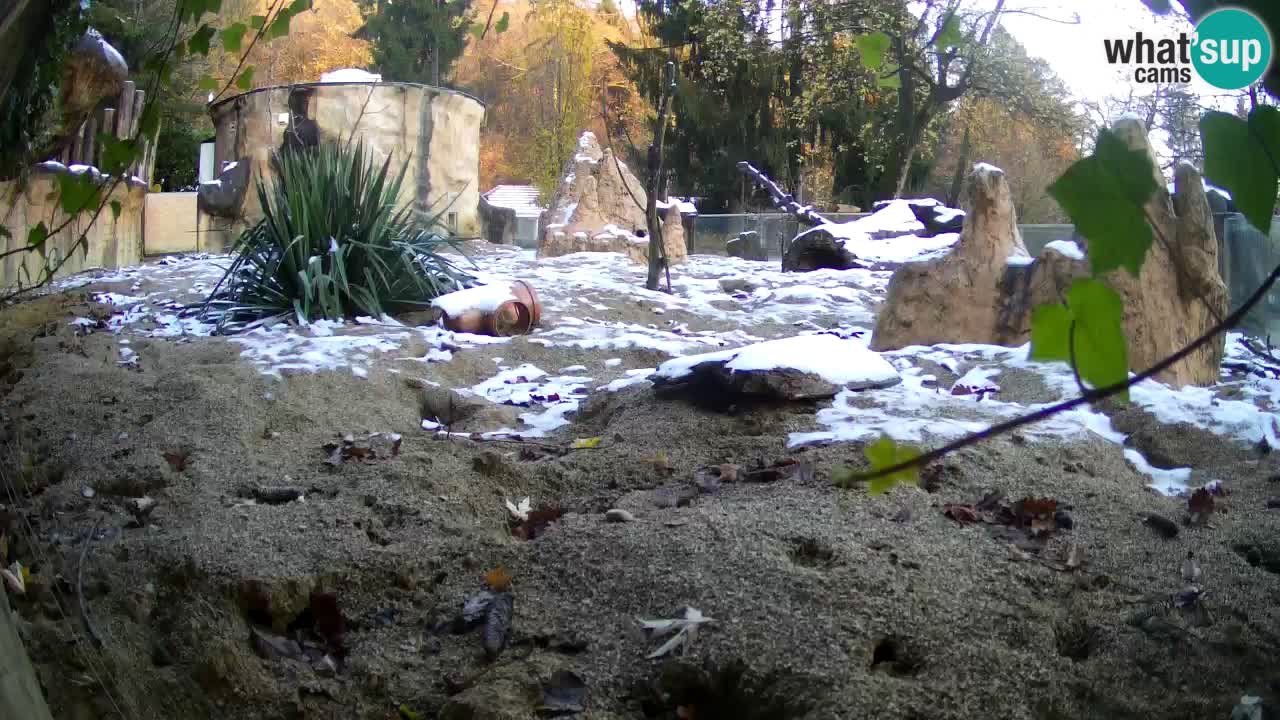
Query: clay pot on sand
[{"x": 513, "y": 317}]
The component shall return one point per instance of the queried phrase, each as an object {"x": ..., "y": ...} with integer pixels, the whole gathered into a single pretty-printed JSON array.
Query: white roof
[{"x": 521, "y": 198}]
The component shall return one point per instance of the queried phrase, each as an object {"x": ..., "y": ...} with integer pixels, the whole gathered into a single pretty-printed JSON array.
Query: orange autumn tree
[
  {"x": 1033, "y": 154},
  {"x": 544, "y": 81},
  {"x": 320, "y": 39}
]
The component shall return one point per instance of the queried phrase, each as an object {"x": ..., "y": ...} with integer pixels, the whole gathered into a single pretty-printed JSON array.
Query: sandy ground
[{"x": 831, "y": 602}]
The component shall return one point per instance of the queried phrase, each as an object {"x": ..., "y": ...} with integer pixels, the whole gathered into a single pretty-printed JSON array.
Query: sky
[{"x": 1075, "y": 51}]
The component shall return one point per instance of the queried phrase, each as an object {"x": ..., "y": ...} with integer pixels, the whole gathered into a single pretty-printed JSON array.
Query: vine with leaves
[
  {"x": 1105, "y": 195},
  {"x": 88, "y": 195}
]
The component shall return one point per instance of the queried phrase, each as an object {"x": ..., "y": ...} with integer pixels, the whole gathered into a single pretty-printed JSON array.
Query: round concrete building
[{"x": 437, "y": 130}]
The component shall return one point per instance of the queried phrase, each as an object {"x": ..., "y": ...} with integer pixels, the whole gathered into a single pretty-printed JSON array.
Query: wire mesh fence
[
  {"x": 1246, "y": 255},
  {"x": 773, "y": 232}
]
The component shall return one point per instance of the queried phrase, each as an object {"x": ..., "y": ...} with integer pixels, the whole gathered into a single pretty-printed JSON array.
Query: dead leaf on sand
[{"x": 177, "y": 459}]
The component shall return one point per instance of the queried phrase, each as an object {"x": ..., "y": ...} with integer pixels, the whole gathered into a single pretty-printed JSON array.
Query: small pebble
[
  {"x": 87, "y": 491},
  {"x": 619, "y": 515}
]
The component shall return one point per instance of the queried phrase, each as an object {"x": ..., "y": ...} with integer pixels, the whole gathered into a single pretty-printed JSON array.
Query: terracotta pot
[
  {"x": 526, "y": 295},
  {"x": 511, "y": 318},
  {"x": 471, "y": 321}
]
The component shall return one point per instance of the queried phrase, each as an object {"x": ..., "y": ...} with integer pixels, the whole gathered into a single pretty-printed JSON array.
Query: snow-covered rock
[
  {"x": 794, "y": 368},
  {"x": 600, "y": 207}
]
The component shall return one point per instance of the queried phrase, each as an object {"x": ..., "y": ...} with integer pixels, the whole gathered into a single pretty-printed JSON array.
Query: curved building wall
[{"x": 436, "y": 129}]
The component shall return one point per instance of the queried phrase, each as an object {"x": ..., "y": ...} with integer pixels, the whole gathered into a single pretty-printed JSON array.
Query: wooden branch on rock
[{"x": 782, "y": 200}]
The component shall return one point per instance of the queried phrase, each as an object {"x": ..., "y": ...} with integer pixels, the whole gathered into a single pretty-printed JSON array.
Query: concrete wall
[
  {"x": 113, "y": 242},
  {"x": 169, "y": 223},
  {"x": 436, "y": 130}
]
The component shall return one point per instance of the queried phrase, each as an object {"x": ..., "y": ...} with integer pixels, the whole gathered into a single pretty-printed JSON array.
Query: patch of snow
[
  {"x": 568, "y": 212},
  {"x": 1019, "y": 260},
  {"x": 946, "y": 215},
  {"x": 987, "y": 169},
  {"x": 894, "y": 217},
  {"x": 214, "y": 182},
  {"x": 836, "y": 360},
  {"x": 53, "y": 166},
  {"x": 613, "y": 362},
  {"x": 1166, "y": 482},
  {"x": 1066, "y": 248},
  {"x": 483, "y": 298}
]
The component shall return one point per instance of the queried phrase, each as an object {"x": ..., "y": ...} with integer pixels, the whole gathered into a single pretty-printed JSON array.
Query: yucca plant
[{"x": 332, "y": 243}]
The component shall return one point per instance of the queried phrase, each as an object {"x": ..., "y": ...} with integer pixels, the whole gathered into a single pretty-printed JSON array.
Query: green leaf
[
  {"x": 1095, "y": 314},
  {"x": 245, "y": 81},
  {"x": 117, "y": 154},
  {"x": 198, "y": 44},
  {"x": 1104, "y": 195},
  {"x": 280, "y": 26},
  {"x": 871, "y": 49},
  {"x": 476, "y": 30},
  {"x": 257, "y": 21},
  {"x": 149, "y": 124},
  {"x": 115, "y": 209},
  {"x": 893, "y": 81},
  {"x": 1051, "y": 333},
  {"x": 1102, "y": 355},
  {"x": 37, "y": 235},
  {"x": 233, "y": 37},
  {"x": 207, "y": 83},
  {"x": 1239, "y": 157},
  {"x": 298, "y": 6},
  {"x": 77, "y": 192},
  {"x": 951, "y": 35},
  {"x": 885, "y": 453},
  {"x": 4, "y": 233},
  {"x": 503, "y": 23}
]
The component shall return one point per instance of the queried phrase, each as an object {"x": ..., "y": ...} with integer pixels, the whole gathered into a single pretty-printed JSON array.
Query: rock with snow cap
[
  {"x": 600, "y": 207},
  {"x": 796, "y": 368}
]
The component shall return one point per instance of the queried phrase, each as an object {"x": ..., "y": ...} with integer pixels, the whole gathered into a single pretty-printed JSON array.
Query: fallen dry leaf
[
  {"x": 498, "y": 580},
  {"x": 537, "y": 522},
  {"x": 960, "y": 513},
  {"x": 1200, "y": 505},
  {"x": 177, "y": 459}
]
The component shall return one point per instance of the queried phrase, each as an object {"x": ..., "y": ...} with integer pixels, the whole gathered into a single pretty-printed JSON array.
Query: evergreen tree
[{"x": 417, "y": 40}]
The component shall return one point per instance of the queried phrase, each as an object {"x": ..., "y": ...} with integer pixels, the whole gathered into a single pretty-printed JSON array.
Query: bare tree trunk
[
  {"x": 657, "y": 250},
  {"x": 962, "y": 163},
  {"x": 781, "y": 199}
]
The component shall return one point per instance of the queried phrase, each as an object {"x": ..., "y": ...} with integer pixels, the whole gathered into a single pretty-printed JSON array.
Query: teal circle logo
[{"x": 1232, "y": 48}]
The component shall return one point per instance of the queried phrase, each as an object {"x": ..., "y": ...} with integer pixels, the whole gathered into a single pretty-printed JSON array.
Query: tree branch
[{"x": 1089, "y": 397}]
